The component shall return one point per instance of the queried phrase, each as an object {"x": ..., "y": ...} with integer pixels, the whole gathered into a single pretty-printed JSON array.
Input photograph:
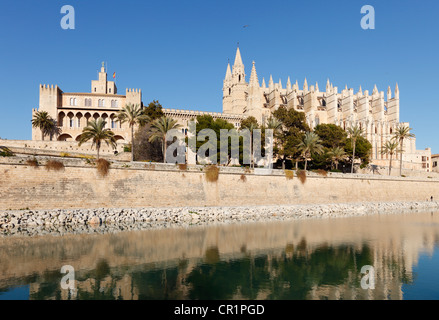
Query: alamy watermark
[
  {"x": 229, "y": 146},
  {"x": 68, "y": 281},
  {"x": 68, "y": 20},
  {"x": 368, "y": 20},
  {"x": 368, "y": 280}
]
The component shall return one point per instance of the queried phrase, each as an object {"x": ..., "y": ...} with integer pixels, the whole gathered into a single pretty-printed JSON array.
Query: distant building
[{"x": 74, "y": 110}]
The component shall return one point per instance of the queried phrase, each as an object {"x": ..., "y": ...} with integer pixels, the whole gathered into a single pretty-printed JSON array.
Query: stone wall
[
  {"x": 47, "y": 146},
  {"x": 143, "y": 185}
]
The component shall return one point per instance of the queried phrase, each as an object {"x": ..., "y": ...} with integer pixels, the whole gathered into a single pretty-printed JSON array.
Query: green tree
[
  {"x": 133, "y": 115},
  {"x": 362, "y": 149},
  {"x": 159, "y": 128},
  {"x": 390, "y": 148},
  {"x": 96, "y": 132},
  {"x": 154, "y": 110},
  {"x": 354, "y": 133},
  {"x": 402, "y": 133},
  {"x": 291, "y": 133},
  {"x": 207, "y": 122},
  {"x": 331, "y": 135},
  {"x": 43, "y": 121},
  {"x": 310, "y": 145},
  {"x": 336, "y": 155}
]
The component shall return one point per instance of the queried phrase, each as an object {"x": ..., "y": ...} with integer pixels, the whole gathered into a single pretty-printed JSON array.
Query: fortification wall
[
  {"x": 53, "y": 147},
  {"x": 81, "y": 186}
]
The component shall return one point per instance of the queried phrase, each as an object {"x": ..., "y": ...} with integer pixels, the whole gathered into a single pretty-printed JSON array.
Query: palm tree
[
  {"x": 310, "y": 145},
  {"x": 402, "y": 132},
  {"x": 391, "y": 148},
  {"x": 43, "y": 121},
  {"x": 96, "y": 132},
  {"x": 132, "y": 114},
  {"x": 354, "y": 133},
  {"x": 274, "y": 124},
  {"x": 251, "y": 126},
  {"x": 337, "y": 154},
  {"x": 159, "y": 129}
]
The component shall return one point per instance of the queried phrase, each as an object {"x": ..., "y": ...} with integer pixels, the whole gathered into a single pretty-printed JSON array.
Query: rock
[{"x": 95, "y": 221}]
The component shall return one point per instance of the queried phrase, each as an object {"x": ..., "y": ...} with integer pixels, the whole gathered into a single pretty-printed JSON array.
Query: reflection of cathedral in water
[{"x": 308, "y": 259}]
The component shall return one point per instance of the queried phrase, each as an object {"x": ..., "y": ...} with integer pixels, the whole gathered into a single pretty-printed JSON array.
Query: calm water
[{"x": 310, "y": 259}]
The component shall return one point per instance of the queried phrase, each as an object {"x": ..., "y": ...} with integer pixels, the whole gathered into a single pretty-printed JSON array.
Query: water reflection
[{"x": 308, "y": 259}]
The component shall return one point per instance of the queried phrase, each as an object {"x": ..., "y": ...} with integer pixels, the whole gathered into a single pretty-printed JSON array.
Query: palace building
[{"x": 376, "y": 113}]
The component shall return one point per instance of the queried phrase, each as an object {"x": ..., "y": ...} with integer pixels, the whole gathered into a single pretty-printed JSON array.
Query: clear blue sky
[{"x": 177, "y": 51}]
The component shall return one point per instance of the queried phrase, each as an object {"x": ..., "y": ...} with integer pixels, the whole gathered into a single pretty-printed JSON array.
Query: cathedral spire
[
  {"x": 389, "y": 93},
  {"x": 317, "y": 87},
  {"x": 288, "y": 85},
  {"x": 305, "y": 86},
  {"x": 328, "y": 86},
  {"x": 271, "y": 83},
  {"x": 375, "y": 90},
  {"x": 263, "y": 83},
  {"x": 238, "y": 59},
  {"x": 397, "y": 91},
  {"x": 280, "y": 83},
  {"x": 228, "y": 73},
  {"x": 238, "y": 70},
  {"x": 254, "y": 82}
]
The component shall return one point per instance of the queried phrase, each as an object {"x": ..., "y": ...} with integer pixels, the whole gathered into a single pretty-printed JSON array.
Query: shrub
[
  {"x": 54, "y": 165},
  {"x": 32, "y": 162},
  {"x": 212, "y": 173},
  {"x": 84, "y": 156},
  {"x": 64, "y": 154},
  {"x": 243, "y": 178},
  {"x": 5, "y": 152},
  {"x": 103, "y": 167},
  {"x": 322, "y": 172},
  {"x": 301, "y": 174},
  {"x": 182, "y": 166},
  {"x": 127, "y": 148},
  {"x": 289, "y": 174}
]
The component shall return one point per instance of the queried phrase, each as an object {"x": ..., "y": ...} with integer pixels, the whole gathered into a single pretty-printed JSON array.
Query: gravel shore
[{"x": 103, "y": 220}]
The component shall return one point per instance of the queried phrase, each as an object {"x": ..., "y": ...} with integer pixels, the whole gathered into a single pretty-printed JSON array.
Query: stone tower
[
  {"x": 227, "y": 91},
  {"x": 239, "y": 86}
]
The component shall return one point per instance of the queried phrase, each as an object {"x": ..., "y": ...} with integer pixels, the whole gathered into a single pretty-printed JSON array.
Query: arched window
[
  {"x": 88, "y": 102},
  {"x": 109, "y": 90},
  {"x": 101, "y": 103}
]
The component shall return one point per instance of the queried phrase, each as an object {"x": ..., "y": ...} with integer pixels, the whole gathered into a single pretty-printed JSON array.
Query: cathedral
[{"x": 376, "y": 113}]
